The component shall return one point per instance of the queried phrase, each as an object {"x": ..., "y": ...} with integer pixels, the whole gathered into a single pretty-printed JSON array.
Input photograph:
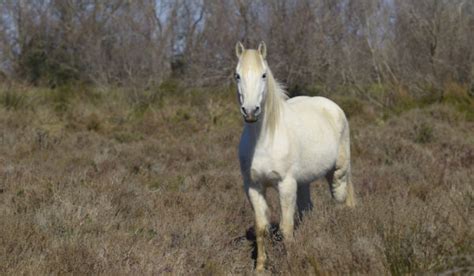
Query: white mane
[{"x": 273, "y": 103}]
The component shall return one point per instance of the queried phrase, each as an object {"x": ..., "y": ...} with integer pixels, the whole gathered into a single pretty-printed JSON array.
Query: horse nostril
[
  {"x": 257, "y": 108},
  {"x": 244, "y": 111}
]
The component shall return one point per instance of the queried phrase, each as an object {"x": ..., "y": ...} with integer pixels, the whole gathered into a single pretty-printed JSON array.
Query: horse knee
[{"x": 259, "y": 204}]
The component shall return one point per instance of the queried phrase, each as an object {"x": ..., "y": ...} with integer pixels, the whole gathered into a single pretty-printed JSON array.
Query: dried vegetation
[{"x": 96, "y": 181}]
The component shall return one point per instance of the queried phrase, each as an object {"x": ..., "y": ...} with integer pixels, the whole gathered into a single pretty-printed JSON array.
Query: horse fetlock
[
  {"x": 262, "y": 229},
  {"x": 260, "y": 269},
  {"x": 339, "y": 191},
  {"x": 261, "y": 260},
  {"x": 261, "y": 254},
  {"x": 287, "y": 230}
]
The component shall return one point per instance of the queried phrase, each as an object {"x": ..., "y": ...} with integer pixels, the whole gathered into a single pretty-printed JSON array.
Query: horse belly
[
  {"x": 315, "y": 164},
  {"x": 317, "y": 153}
]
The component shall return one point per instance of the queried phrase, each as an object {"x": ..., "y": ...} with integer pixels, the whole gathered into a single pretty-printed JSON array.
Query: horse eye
[
  {"x": 237, "y": 76},
  {"x": 264, "y": 75}
]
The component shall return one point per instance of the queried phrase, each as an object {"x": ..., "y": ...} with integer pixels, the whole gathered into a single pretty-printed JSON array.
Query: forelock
[{"x": 251, "y": 60}]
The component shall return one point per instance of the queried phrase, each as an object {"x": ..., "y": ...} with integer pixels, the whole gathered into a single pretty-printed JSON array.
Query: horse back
[{"x": 319, "y": 110}]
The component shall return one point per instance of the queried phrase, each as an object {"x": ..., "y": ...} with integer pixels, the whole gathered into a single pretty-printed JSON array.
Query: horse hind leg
[
  {"x": 303, "y": 199},
  {"x": 341, "y": 187},
  {"x": 339, "y": 179}
]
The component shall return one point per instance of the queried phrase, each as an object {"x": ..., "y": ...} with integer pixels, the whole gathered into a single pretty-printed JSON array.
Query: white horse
[{"x": 287, "y": 144}]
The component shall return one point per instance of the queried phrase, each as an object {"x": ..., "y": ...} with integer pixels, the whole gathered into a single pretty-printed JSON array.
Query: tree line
[{"x": 313, "y": 44}]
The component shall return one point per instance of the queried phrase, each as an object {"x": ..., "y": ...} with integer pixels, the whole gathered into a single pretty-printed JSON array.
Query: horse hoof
[{"x": 260, "y": 269}]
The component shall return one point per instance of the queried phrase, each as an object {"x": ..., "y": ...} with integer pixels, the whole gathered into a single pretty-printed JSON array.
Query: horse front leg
[
  {"x": 256, "y": 194},
  {"x": 287, "y": 190}
]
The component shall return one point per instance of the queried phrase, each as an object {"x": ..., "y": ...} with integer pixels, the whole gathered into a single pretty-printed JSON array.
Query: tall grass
[{"x": 92, "y": 183}]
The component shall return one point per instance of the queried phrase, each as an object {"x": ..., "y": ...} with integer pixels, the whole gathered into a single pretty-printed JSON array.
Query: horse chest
[{"x": 269, "y": 166}]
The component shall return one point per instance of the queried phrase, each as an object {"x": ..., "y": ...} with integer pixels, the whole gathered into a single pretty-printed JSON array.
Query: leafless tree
[{"x": 314, "y": 44}]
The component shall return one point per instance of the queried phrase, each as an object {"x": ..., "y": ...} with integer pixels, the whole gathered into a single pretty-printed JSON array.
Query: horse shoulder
[{"x": 271, "y": 159}]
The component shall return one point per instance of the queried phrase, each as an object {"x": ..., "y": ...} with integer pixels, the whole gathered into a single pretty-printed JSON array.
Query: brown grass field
[{"x": 107, "y": 182}]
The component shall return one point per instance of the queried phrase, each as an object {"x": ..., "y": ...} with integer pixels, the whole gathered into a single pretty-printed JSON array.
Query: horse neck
[{"x": 273, "y": 109}]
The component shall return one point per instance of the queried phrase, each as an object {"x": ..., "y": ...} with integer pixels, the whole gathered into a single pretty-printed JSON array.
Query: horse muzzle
[
  {"x": 250, "y": 114},
  {"x": 250, "y": 118}
]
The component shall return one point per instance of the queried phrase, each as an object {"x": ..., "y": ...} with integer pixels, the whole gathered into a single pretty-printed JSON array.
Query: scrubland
[{"x": 108, "y": 181}]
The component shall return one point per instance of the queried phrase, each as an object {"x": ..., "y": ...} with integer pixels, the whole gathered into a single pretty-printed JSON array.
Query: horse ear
[
  {"x": 239, "y": 49},
  {"x": 262, "y": 49}
]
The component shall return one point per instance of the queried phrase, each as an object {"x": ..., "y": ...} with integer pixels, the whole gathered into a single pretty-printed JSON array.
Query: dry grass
[{"x": 95, "y": 182}]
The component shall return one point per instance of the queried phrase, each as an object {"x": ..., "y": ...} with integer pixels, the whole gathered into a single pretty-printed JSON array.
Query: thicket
[{"x": 383, "y": 52}]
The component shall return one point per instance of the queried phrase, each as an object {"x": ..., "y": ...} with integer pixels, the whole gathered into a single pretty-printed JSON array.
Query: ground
[{"x": 108, "y": 181}]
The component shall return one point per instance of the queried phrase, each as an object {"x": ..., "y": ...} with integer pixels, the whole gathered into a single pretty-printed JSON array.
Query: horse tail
[{"x": 346, "y": 143}]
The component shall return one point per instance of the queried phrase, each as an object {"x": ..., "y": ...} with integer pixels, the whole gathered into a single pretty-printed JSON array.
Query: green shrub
[
  {"x": 351, "y": 106},
  {"x": 459, "y": 97},
  {"x": 169, "y": 86},
  {"x": 61, "y": 98},
  {"x": 377, "y": 90},
  {"x": 42, "y": 63},
  {"x": 315, "y": 90},
  {"x": 12, "y": 100},
  {"x": 93, "y": 122},
  {"x": 423, "y": 134}
]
